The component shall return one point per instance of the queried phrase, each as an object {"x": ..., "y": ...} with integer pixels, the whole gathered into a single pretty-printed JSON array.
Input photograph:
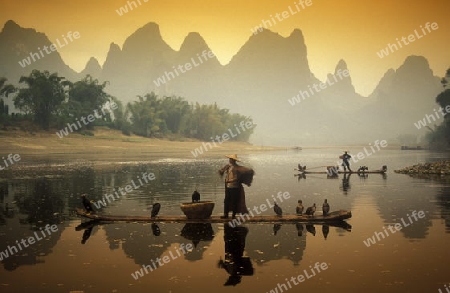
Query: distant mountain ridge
[{"x": 258, "y": 81}]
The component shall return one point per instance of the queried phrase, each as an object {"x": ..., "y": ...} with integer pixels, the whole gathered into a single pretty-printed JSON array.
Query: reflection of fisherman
[
  {"x": 345, "y": 157},
  {"x": 234, "y": 191},
  {"x": 235, "y": 263},
  {"x": 346, "y": 183}
]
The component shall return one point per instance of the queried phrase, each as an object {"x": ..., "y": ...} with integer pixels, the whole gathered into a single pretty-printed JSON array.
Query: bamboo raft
[{"x": 333, "y": 217}]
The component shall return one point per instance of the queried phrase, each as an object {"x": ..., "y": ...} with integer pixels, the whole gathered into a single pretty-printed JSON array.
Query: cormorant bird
[
  {"x": 362, "y": 169},
  {"x": 299, "y": 209},
  {"x": 155, "y": 209},
  {"x": 300, "y": 168},
  {"x": 277, "y": 209},
  {"x": 325, "y": 208},
  {"x": 195, "y": 196},
  {"x": 311, "y": 210},
  {"x": 87, "y": 203}
]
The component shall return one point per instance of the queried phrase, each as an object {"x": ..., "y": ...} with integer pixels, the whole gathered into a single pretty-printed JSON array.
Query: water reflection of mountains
[
  {"x": 28, "y": 202},
  {"x": 140, "y": 243}
]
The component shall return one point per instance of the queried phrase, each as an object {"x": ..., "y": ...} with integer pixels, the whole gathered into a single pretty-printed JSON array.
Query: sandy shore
[{"x": 107, "y": 146}]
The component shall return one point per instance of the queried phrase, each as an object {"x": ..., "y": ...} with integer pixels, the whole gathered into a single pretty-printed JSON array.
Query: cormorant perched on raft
[
  {"x": 325, "y": 208},
  {"x": 300, "y": 168},
  {"x": 277, "y": 209},
  {"x": 299, "y": 209},
  {"x": 195, "y": 196},
  {"x": 311, "y": 210},
  {"x": 362, "y": 169},
  {"x": 155, "y": 210},
  {"x": 87, "y": 203}
]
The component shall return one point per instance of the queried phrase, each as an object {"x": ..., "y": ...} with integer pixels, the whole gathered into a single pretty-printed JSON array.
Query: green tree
[
  {"x": 120, "y": 121},
  {"x": 86, "y": 97},
  {"x": 5, "y": 90},
  {"x": 174, "y": 109},
  {"x": 42, "y": 97},
  {"x": 440, "y": 135},
  {"x": 146, "y": 116}
]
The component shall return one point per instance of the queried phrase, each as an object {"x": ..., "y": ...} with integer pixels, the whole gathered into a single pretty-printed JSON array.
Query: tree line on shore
[
  {"x": 439, "y": 135},
  {"x": 49, "y": 101}
]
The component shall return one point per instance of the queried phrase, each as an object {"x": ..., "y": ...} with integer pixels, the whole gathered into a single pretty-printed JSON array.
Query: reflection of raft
[
  {"x": 332, "y": 217},
  {"x": 197, "y": 210},
  {"x": 345, "y": 172}
]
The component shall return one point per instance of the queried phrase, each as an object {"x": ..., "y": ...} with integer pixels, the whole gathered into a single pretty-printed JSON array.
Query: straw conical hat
[{"x": 234, "y": 157}]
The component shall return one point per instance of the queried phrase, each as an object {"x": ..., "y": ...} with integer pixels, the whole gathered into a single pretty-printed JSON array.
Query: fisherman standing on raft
[
  {"x": 345, "y": 161},
  {"x": 234, "y": 191}
]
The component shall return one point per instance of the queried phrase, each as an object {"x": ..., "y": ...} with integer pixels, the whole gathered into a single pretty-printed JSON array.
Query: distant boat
[
  {"x": 407, "y": 148},
  {"x": 297, "y": 148}
]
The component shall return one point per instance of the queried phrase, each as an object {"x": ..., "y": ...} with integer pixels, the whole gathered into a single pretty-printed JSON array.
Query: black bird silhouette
[
  {"x": 277, "y": 209},
  {"x": 299, "y": 209},
  {"x": 325, "y": 208},
  {"x": 300, "y": 168},
  {"x": 195, "y": 196},
  {"x": 155, "y": 209},
  {"x": 311, "y": 210},
  {"x": 87, "y": 203}
]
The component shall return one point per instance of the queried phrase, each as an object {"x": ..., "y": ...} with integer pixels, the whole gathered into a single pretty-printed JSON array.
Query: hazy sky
[{"x": 353, "y": 30}]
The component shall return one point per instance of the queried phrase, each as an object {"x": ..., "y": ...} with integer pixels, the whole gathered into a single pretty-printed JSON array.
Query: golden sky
[{"x": 353, "y": 30}]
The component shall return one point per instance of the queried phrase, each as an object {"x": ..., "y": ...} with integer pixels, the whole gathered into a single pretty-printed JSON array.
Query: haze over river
[{"x": 254, "y": 257}]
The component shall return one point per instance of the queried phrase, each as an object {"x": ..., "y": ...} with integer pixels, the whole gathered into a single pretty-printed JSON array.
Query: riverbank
[
  {"x": 435, "y": 168},
  {"x": 108, "y": 146}
]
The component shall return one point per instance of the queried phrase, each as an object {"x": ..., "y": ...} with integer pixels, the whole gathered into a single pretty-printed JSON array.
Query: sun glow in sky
[{"x": 352, "y": 30}]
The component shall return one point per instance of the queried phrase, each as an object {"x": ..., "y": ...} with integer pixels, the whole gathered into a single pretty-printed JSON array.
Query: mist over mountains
[{"x": 259, "y": 81}]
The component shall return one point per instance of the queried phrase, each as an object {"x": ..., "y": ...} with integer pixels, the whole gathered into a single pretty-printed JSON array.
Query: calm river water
[{"x": 250, "y": 258}]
